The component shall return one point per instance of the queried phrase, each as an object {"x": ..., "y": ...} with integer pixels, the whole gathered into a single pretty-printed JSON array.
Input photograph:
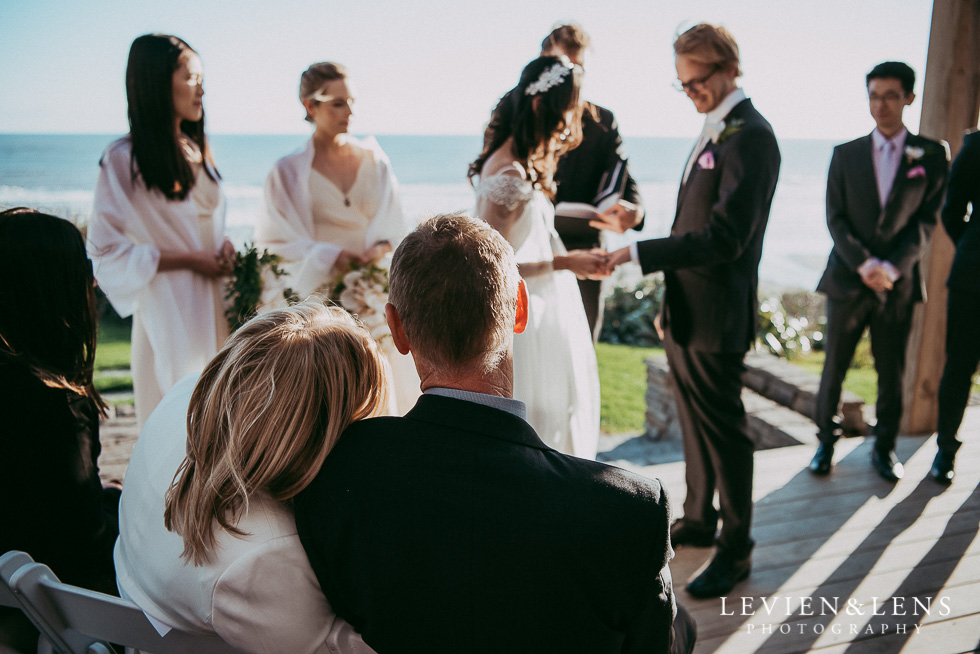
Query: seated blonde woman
[{"x": 208, "y": 540}]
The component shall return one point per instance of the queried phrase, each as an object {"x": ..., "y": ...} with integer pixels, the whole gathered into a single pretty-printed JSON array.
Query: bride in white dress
[
  {"x": 332, "y": 203},
  {"x": 555, "y": 371}
]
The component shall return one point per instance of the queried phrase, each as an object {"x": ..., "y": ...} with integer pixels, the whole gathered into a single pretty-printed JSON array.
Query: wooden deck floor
[{"x": 851, "y": 541}]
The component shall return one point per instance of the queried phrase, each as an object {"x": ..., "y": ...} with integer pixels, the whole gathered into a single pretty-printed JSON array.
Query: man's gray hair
[{"x": 454, "y": 284}]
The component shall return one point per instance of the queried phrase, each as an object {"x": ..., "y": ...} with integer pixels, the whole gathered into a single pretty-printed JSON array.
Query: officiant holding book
[{"x": 594, "y": 173}]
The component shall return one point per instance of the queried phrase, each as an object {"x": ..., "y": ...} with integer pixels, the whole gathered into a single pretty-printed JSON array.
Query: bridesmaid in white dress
[
  {"x": 334, "y": 202},
  {"x": 156, "y": 236},
  {"x": 555, "y": 371}
]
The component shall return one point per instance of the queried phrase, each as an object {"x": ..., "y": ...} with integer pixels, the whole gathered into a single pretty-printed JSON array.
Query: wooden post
[{"x": 950, "y": 106}]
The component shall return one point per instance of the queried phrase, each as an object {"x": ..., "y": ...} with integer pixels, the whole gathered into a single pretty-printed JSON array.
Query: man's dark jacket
[{"x": 455, "y": 529}]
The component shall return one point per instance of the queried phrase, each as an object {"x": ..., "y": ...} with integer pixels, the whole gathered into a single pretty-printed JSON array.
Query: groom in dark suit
[
  {"x": 711, "y": 268},
  {"x": 884, "y": 191},
  {"x": 455, "y": 528},
  {"x": 963, "y": 308}
]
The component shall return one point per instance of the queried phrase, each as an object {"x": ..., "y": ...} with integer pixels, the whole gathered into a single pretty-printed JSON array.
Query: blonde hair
[
  {"x": 710, "y": 45},
  {"x": 457, "y": 322},
  {"x": 265, "y": 413}
]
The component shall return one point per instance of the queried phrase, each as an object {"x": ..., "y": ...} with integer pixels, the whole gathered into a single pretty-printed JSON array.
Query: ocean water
[{"x": 57, "y": 173}]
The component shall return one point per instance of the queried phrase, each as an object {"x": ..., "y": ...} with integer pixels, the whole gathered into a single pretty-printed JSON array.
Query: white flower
[
  {"x": 352, "y": 278},
  {"x": 714, "y": 130},
  {"x": 913, "y": 152},
  {"x": 350, "y": 300}
]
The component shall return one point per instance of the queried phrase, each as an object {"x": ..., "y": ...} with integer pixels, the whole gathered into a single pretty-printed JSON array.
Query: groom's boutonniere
[
  {"x": 914, "y": 153},
  {"x": 706, "y": 161},
  {"x": 731, "y": 127}
]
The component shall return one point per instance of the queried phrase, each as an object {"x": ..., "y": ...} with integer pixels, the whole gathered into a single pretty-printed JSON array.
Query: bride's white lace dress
[{"x": 555, "y": 370}]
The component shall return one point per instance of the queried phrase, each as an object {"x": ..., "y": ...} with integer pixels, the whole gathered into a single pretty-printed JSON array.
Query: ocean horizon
[{"x": 57, "y": 173}]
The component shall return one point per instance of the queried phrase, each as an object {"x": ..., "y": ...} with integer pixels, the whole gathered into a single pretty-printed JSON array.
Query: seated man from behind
[{"x": 455, "y": 529}]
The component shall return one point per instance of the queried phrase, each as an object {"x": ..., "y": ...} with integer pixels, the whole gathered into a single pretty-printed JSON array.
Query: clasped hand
[
  {"x": 877, "y": 276},
  {"x": 588, "y": 264},
  {"x": 376, "y": 251},
  {"x": 219, "y": 263},
  {"x": 595, "y": 263}
]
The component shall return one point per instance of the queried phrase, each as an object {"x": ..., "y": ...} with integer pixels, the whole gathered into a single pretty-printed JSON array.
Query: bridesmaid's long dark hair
[
  {"x": 537, "y": 131},
  {"x": 48, "y": 323},
  {"x": 158, "y": 156}
]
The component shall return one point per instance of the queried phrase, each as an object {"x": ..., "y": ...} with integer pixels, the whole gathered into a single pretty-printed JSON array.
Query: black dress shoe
[
  {"x": 887, "y": 465},
  {"x": 685, "y": 533},
  {"x": 721, "y": 575},
  {"x": 823, "y": 460},
  {"x": 942, "y": 468}
]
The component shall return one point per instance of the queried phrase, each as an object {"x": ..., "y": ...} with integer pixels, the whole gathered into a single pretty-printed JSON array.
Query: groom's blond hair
[
  {"x": 711, "y": 45},
  {"x": 454, "y": 285}
]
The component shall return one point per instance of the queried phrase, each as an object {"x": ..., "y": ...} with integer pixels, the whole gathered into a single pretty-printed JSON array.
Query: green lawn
[
  {"x": 112, "y": 350},
  {"x": 862, "y": 381},
  {"x": 622, "y": 376},
  {"x": 623, "y": 384}
]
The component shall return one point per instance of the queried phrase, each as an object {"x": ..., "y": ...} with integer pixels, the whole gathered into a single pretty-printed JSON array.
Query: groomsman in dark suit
[
  {"x": 593, "y": 171},
  {"x": 884, "y": 191},
  {"x": 711, "y": 268},
  {"x": 963, "y": 309},
  {"x": 456, "y": 529}
]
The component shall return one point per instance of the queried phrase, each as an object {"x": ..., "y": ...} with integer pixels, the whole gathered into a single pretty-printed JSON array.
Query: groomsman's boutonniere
[
  {"x": 706, "y": 161},
  {"x": 914, "y": 153},
  {"x": 916, "y": 171},
  {"x": 730, "y": 129}
]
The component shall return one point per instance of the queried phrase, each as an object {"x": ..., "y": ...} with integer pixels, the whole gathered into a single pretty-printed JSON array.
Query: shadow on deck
[{"x": 847, "y": 563}]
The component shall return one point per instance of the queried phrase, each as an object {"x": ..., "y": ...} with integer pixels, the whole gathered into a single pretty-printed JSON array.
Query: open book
[{"x": 572, "y": 218}]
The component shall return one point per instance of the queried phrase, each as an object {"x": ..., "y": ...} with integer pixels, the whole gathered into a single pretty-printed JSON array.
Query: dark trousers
[
  {"x": 962, "y": 360},
  {"x": 718, "y": 453},
  {"x": 889, "y": 323}
]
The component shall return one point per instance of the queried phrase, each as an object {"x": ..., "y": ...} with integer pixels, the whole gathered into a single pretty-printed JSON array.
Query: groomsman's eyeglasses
[
  {"x": 695, "y": 84},
  {"x": 890, "y": 97}
]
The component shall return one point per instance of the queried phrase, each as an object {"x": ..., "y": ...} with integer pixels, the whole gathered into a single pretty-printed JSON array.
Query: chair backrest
[
  {"x": 82, "y": 620},
  {"x": 9, "y": 563}
]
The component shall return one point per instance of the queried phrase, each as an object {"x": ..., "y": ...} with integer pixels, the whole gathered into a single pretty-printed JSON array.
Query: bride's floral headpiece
[{"x": 550, "y": 77}]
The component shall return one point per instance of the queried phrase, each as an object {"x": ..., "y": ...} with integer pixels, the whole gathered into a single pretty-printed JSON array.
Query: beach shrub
[
  {"x": 790, "y": 323},
  {"x": 629, "y": 313}
]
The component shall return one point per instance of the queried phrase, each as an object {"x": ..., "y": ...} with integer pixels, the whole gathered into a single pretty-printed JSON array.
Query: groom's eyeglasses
[{"x": 694, "y": 84}]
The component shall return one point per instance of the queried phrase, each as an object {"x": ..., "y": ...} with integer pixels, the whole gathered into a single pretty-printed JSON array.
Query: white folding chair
[
  {"x": 80, "y": 621},
  {"x": 10, "y": 563}
]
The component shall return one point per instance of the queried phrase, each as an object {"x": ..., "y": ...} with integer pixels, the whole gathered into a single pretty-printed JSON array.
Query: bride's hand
[
  {"x": 344, "y": 260},
  {"x": 377, "y": 251},
  {"x": 590, "y": 264}
]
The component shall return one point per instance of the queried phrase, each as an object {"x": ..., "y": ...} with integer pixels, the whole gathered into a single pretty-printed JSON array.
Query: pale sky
[{"x": 438, "y": 66}]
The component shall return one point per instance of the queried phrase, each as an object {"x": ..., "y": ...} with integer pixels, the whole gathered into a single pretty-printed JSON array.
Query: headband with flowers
[{"x": 550, "y": 77}]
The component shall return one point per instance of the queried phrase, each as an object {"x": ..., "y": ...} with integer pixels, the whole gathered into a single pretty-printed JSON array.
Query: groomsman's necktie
[{"x": 885, "y": 173}]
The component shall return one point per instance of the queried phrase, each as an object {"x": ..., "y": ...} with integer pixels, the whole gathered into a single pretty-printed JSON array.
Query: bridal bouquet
[
  {"x": 363, "y": 291},
  {"x": 254, "y": 286}
]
